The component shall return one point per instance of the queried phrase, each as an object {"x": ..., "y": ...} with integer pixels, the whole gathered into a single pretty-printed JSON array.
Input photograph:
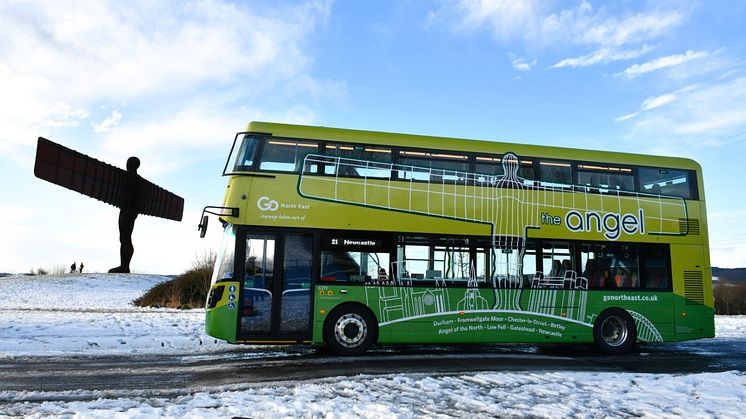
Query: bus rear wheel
[
  {"x": 614, "y": 331},
  {"x": 350, "y": 330}
]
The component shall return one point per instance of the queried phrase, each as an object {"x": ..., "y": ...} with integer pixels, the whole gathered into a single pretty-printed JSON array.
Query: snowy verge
[
  {"x": 477, "y": 395},
  {"x": 93, "y": 314}
]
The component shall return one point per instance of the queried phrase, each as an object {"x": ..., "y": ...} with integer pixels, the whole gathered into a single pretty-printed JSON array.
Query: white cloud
[
  {"x": 649, "y": 104},
  {"x": 613, "y": 36},
  {"x": 597, "y": 29},
  {"x": 535, "y": 22},
  {"x": 626, "y": 117},
  {"x": 506, "y": 19},
  {"x": 602, "y": 56},
  {"x": 159, "y": 56},
  {"x": 521, "y": 64},
  {"x": 657, "y": 101},
  {"x": 662, "y": 62},
  {"x": 109, "y": 124},
  {"x": 707, "y": 115}
]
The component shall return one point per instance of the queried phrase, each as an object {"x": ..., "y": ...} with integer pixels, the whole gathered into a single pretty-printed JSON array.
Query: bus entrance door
[{"x": 276, "y": 299}]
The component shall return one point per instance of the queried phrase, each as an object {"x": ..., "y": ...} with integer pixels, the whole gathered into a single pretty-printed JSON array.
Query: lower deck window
[
  {"x": 423, "y": 260},
  {"x": 352, "y": 266},
  {"x": 431, "y": 261}
]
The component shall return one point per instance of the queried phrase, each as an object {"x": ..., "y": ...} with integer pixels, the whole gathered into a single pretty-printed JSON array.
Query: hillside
[{"x": 730, "y": 274}]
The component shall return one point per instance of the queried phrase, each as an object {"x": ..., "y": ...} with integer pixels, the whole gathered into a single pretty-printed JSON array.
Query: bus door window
[
  {"x": 296, "y": 290},
  {"x": 256, "y": 310}
]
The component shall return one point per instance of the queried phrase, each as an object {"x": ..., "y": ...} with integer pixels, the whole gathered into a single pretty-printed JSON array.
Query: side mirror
[{"x": 202, "y": 227}]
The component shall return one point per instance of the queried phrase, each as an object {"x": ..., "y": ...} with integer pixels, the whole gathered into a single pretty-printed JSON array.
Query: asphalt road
[{"x": 89, "y": 377}]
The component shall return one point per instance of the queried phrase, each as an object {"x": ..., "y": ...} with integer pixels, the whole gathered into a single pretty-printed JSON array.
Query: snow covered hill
[{"x": 93, "y": 314}]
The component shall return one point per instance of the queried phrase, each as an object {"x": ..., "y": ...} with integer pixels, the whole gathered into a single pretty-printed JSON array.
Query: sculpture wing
[{"x": 70, "y": 169}]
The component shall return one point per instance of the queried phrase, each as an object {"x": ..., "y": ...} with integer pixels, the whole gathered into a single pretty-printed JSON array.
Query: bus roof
[{"x": 446, "y": 143}]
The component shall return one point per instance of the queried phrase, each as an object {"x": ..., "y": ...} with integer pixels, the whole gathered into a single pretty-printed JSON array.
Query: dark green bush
[{"x": 188, "y": 290}]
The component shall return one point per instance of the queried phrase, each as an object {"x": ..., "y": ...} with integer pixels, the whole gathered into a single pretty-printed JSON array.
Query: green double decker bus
[{"x": 351, "y": 238}]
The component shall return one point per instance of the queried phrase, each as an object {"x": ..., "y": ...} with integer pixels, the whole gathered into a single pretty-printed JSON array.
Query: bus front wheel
[
  {"x": 614, "y": 331},
  {"x": 350, "y": 330}
]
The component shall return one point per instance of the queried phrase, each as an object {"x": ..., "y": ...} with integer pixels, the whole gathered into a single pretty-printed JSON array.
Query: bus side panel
[
  {"x": 694, "y": 310},
  {"x": 467, "y": 315},
  {"x": 221, "y": 320},
  {"x": 274, "y": 202}
]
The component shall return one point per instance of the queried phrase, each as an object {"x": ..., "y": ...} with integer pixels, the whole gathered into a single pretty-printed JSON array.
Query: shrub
[
  {"x": 188, "y": 290},
  {"x": 730, "y": 298}
]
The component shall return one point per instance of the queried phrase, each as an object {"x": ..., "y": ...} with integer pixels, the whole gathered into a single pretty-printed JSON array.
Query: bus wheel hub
[
  {"x": 350, "y": 330},
  {"x": 614, "y": 331}
]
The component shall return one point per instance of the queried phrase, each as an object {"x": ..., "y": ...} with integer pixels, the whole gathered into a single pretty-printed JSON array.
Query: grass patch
[{"x": 188, "y": 290}]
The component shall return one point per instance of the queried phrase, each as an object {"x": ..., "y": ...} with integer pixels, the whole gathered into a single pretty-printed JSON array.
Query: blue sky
[{"x": 173, "y": 81}]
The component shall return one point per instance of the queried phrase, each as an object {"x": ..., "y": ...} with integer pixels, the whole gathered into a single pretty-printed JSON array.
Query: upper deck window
[
  {"x": 285, "y": 155},
  {"x": 359, "y": 161},
  {"x": 658, "y": 181},
  {"x": 492, "y": 165},
  {"x": 433, "y": 166},
  {"x": 246, "y": 153},
  {"x": 451, "y": 167},
  {"x": 606, "y": 178},
  {"x": 555, "y": 174}
]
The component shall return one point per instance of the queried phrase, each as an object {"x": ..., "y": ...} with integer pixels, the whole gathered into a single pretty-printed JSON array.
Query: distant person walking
[
  {"x": 81, "y": 267},
  {"x": 73, "y": 268}
]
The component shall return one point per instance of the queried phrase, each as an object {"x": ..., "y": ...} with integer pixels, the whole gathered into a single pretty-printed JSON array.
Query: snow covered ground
[{"x": 92, "y": 315}]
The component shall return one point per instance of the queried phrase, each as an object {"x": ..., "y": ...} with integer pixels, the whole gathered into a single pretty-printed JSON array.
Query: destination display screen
[{"x": 365, "y": 243}]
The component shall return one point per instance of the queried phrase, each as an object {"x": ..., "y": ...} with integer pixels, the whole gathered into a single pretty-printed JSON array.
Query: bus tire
[
  {"x": 350, "y": 329},
  {"x": 614, "y": 331}
]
